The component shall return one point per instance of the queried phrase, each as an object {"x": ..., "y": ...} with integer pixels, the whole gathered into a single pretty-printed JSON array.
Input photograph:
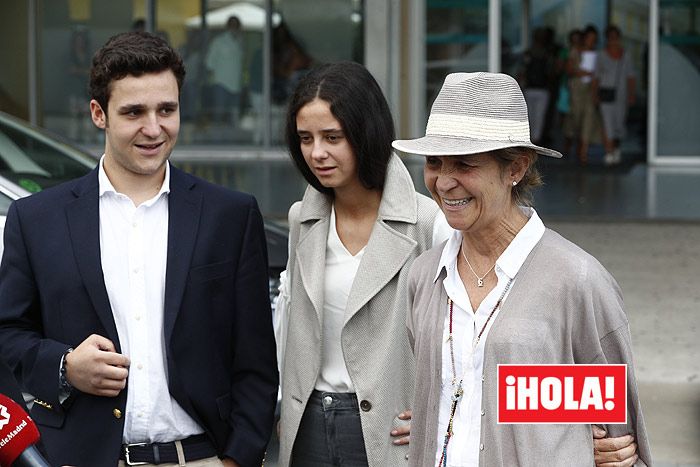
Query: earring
[{"x": 514, "y": 183}]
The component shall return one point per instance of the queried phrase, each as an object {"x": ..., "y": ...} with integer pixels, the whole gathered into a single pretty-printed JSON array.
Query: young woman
[{"x": 347, "y": 369}]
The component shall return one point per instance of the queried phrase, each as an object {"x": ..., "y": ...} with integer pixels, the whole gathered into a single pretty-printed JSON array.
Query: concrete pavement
[{"x": 658, "y": 268}]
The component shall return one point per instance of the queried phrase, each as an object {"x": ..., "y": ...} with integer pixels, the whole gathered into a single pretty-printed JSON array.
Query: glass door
[{"x": 675, "y": 72}]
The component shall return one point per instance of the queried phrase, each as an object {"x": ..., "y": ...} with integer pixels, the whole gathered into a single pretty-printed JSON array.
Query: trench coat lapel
[
  {"x": 385, "y": 255},
  {"x": 388, "y": 250},
  {"x": 184, "y": 209},
  {"x": 83, "y": 216},
  {"x": 311, "y": 247}
]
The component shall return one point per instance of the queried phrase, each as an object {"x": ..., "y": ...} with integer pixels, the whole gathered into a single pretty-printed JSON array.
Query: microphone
[{"x": 18, "y": 434}]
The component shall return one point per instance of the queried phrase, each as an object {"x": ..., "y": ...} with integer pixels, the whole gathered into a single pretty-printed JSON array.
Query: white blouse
[
  {"x": 341, "y": 268},
  {"x": 463, "y": 449}
]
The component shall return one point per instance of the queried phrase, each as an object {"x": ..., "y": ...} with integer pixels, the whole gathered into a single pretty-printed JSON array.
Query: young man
[{"x": 134, "y": 301}]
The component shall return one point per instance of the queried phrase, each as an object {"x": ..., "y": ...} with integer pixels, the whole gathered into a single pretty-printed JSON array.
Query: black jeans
[{"x": 330, "y": 433}]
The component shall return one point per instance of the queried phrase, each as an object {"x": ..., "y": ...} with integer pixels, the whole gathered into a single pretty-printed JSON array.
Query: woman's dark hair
[
  {"x": 357, "y": 102},
  {"x": 131, "y": 53},
  {"x": 521, "y": 193}
]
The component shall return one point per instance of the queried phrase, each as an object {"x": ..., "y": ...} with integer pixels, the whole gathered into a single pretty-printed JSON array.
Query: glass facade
[
  {"x": 536, "y": 49},
  {"x": 679, "y": 79},
  {"x": 14, "y": 57},
  {"x": 233, "y": 109},
  {"x": 243, "y": 58},
  {"x": 456, "y": 39}
]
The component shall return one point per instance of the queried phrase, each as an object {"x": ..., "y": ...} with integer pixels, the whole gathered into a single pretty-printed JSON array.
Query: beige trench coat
[{"x": 374, "y": 339}]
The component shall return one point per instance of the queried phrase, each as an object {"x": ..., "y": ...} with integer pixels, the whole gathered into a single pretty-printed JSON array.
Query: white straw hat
[{"x": 475, "y": 113}]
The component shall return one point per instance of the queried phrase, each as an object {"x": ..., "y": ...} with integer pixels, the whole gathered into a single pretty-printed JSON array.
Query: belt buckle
[{"x": 126, "y": 454}]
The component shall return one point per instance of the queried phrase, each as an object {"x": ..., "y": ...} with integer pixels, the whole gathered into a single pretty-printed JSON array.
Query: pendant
[
  {"x": 479, "y": 282},
  {"x": 458, "y": 394}
]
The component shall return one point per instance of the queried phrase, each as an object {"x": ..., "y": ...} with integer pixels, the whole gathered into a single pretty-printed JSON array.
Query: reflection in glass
[
  {"x": 223, "y": 100},
  {"x": 456, "y": 41}
]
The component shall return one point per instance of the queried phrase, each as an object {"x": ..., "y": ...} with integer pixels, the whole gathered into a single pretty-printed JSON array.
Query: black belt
[{"x": 195, "y": 448}]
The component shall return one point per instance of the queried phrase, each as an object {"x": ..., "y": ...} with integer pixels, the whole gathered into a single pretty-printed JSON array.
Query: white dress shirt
[
  {"x": 463, "y": 449},
  {"x": 133, "y": 245},
  {"x": 341, "y": 268}
]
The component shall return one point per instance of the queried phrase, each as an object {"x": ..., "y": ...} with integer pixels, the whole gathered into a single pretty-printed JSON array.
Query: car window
[
  {"x": 5, "y": 202},
  {"x": 34, "y": 162}
]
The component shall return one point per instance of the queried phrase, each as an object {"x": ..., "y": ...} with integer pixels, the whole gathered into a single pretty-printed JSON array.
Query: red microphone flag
[{"x": 17, "y": 431}]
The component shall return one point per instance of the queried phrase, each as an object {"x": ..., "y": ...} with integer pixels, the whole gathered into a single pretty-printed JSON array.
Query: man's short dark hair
[
  {"x": 357, "y": 102},
  {"x": 131, "y": 53}
]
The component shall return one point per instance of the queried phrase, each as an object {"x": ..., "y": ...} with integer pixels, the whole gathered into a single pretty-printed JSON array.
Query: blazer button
[
  {"x": 365, "y": 406},
  {"x": 117, "y": 413}
]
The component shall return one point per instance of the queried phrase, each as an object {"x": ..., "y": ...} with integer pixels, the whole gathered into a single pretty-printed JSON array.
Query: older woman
[{"x": 502, "y": 289}]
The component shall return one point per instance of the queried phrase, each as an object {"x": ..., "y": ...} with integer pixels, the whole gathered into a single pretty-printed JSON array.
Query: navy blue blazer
[{"x": 218, "y": 333}]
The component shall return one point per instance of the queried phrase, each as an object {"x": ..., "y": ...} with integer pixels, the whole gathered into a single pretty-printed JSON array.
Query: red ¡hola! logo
[{"x": 562, "y": 394}]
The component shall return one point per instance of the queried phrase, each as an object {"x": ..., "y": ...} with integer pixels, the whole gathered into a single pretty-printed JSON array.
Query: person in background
[
  {"x": 347, "y": 370},
  {"x": 139, "y": 25},
  {"x": 134, "y": 301},
  {"x": 224, "y": 61},
  {"x": 614, "y": 88},
  {"x": 536, "y": 77},
  {"x": 564, "y": 99},
  {"x": 80, "y": 128},
  {"x": 584, "y": 111},
  {"x": 502, "y": 289}
]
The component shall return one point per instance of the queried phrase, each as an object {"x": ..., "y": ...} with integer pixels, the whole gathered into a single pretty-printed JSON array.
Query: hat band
[{"x": 488, "y": 129}]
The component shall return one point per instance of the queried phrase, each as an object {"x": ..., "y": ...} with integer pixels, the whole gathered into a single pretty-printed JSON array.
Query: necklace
[
  {"x": 458, "y": 390},
  {"x": 479, "y": 280}
]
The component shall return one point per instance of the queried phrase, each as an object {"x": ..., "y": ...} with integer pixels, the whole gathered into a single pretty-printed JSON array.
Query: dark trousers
[{"x": 330, "y": 433}]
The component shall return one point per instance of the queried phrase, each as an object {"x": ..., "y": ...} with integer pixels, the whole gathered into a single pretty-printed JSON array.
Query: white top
[
  {"x": 133, "y": 245},
  {"x": 224, "y": 59},
  {"x": 463, "y": 450},
  {"x": 588, "y": 59},
  {"x": 341, "y": 268}
]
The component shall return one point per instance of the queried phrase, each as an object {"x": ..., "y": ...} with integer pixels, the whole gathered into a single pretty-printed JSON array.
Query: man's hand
[
  {"x": 613, "y": 452},
  {"x": 95, "y": 368},
  {"x": 228, "y": 462},
  {"x": 403, "y": 431}
]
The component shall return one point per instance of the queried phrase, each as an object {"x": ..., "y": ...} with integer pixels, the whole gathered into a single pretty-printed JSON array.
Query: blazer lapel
[
  {"x": 83, "y": 216},
  {"x": 184, "y": 209}
]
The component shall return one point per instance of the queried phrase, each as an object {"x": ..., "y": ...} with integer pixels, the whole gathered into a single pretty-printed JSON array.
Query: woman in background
[
  {"x": 614, "y": 90},
  {"x": 585, "y": 115}
]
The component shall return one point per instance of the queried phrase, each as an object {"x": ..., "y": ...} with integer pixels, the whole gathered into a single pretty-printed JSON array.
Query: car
[{"x": 33, "y": 159}]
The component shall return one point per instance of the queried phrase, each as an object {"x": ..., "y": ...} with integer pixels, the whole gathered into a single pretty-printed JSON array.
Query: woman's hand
[
  {"x": 404, "y": 431},
  {"x": 613, "y": 452}
]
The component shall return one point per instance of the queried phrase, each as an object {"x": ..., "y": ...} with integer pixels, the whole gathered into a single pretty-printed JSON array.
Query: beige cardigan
[
  {"x": 564, "y": 307},
  {"x": 374, "y": 340}
]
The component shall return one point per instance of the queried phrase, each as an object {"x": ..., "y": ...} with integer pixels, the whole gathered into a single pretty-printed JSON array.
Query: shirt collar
[
  {"x": 514, "y": 255},
  {"x": 105, "y": 185}
]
